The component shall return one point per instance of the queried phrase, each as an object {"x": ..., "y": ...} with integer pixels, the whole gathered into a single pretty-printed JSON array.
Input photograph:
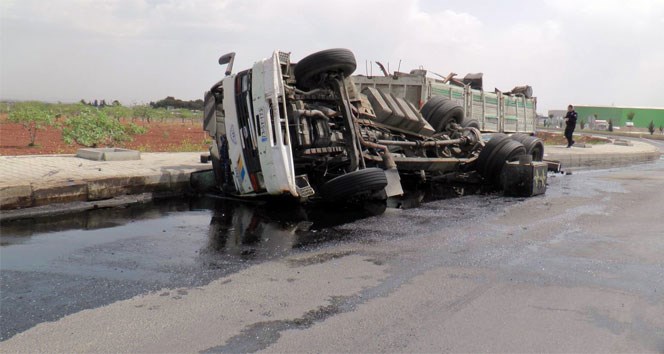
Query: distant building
[
  {"x": 619, "y": 115},
  {"x": 555, "y": 118}
]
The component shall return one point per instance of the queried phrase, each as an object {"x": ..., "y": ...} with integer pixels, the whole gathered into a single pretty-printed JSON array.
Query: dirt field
[
  {"x": 550, "y": 138},
  {"x": 170, "y": 136},
  {"x": 161, "y": 136}
]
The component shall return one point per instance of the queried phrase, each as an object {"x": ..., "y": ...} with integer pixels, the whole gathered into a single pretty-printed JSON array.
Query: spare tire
[
  {"x": 348, "y": 185},
  {"x": 308, "y": 70}
]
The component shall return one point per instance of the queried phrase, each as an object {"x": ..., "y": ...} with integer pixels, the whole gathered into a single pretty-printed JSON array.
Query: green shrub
[
  {"x": 651, "y": 127},
  {"x": 93, "y": 128},
  {"x": 33, "y": 116},
  {"x": 118, "y": 112},
  {"x": 144, "y": 112},
  {"x": 135, "y": 129}
]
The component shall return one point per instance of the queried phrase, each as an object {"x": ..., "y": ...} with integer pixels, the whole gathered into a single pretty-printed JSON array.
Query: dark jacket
[{"x": 571, "y": 119}]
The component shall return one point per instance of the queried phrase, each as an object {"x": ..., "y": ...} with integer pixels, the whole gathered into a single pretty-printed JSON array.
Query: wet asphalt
[{"x": 53, "y": 268}]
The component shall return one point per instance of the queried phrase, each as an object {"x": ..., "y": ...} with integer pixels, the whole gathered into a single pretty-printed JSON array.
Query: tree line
[
  {"x": 169, "y": 102},
  {"x": 172, "y": 102}
]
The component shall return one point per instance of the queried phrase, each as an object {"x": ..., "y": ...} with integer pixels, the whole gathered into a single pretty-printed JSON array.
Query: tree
[
  {"x": 93, "y": 128},
  {"x": 144, "y": 112},
  {"x": 118, "y": 112},
  {"x": 161, "y": 114},
  {"x": 186, "y": 114},
  {"x": 610, "y": 125},
  {"x": 173, "y": 102},
  {"x": 661, "y": 129},
  {"x": 630, "y": 116},
  {"x": 582, "y": 123},
  {"x": 70, "y": 110},
  {"x": 651, "y": 127},
  {"x": 33, "y": 116}
]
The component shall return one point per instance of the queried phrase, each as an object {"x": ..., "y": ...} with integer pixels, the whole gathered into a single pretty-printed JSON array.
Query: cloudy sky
[{"x": 603, "y": 52}]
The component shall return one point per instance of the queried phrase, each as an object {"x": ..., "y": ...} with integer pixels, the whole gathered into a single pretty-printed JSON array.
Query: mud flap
[{"x": 393, "y": 187}]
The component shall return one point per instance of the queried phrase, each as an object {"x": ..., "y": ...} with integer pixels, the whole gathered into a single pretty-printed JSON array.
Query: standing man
[{"x": 570, "y": 124}]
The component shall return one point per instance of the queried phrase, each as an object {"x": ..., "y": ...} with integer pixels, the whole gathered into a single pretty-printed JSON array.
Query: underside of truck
[{"x": 302, "y": 129}]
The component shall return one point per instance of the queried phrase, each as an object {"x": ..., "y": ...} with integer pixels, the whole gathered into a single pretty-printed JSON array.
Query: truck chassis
[{"x": 304, "y": 130}]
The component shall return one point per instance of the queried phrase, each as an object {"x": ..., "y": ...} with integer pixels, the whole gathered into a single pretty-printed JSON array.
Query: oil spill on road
[
  {"x": 52, "y": 267},
  {"x": 56, "y": 266}
]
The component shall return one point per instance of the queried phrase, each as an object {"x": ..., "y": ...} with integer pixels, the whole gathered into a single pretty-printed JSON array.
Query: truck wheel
[
  {"x": 432, "y": 103},
  {"x": 348, "y": 185},
  {"x": 308, "y": 70},
  {"x": 470, "y": 123},
  {"x": 489, "y": 151},
  {"x": 519, "y": 137},
  {"x": 509, "y": 151},
  {"x": 443, "y": 111},
  {"x": 534, "y": 146}
]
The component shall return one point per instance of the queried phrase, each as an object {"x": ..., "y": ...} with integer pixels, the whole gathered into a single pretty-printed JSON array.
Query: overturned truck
[{"x": 306, "y": 131}]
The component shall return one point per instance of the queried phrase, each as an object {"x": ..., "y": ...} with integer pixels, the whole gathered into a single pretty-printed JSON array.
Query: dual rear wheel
[{"x": 498, "y": 151}]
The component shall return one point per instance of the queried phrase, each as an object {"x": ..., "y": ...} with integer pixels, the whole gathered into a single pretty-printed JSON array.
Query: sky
[{"x": 594, "y": 52}]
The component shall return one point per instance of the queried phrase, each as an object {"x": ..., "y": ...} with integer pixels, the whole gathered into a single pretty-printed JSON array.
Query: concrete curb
[
  {"x": 33, "y": 195},
  {"x": 34, "y": 181},
  {"x": 600, "y": 157}
]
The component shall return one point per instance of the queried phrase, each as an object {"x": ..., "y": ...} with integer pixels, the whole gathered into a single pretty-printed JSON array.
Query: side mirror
[{"x": 227, "y": 59}]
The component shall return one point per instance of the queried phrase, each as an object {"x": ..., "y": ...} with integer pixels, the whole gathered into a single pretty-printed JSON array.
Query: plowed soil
[{"x": 167, "y": 136}]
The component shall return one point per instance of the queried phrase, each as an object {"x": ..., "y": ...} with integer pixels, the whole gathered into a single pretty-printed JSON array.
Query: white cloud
[{"x": 594, "y": 51}]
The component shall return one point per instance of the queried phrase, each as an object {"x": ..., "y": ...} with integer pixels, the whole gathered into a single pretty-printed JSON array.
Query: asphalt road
[{"x": 580, "y": 269}]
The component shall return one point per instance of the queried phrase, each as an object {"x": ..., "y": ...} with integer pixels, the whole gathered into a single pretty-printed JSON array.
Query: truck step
[{"x": 303, "y": 187}]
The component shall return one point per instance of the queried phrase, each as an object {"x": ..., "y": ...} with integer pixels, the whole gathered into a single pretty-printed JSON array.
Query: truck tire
[
  {"x": 509, "y": 151},
  {"x": 348, "y": 185},
  {"x": 429, "y": 105},
  {"x": 308, "y": 70},
  {"x": 534, "y": 145},
  {"x": 519, "y": 137},
  {"x": 489, "y": 150},
  {"x": 470, "y": 123},
  {"x": 443, "y": 111}
]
